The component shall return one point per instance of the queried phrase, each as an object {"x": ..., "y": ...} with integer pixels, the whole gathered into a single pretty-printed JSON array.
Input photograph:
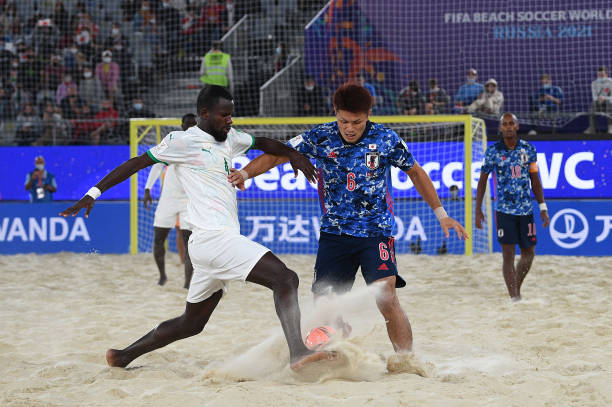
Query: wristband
[
  {"x": 543, "y": 207},
  {"x": 440, "y": 212},
  {"x": 94, "y": 193},
  {"x": 245, "y": 175}
]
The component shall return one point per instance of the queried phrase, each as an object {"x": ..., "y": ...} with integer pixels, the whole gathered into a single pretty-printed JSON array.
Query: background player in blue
[
  {"x": 354, "y": 157},
  {"x": 514, "y": 163}
]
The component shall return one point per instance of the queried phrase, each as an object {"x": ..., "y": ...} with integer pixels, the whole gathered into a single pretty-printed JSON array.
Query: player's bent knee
[{"x": 289, "y": 279}]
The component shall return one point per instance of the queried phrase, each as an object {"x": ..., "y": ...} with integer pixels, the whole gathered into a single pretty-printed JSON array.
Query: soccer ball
[{"x": 319, "y": 337}]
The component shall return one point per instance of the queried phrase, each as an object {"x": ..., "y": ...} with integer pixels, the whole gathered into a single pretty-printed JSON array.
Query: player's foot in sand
[
  {"x": 299, "y": 363},
  {"x": 515, "y": 299},
  {"x": 408, "y": 363},
  {"x": 114, "y": 359},
  {"x": 162, "y": 280}
]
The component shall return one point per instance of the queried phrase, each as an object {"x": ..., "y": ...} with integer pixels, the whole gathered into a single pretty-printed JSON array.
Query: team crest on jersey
[
  {"x": 372, "y": 146},
  {"x": 372, "y": 160},
  {"x": 523, "y": 157}
]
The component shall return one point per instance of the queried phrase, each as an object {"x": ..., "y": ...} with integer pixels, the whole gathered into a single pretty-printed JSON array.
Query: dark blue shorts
[
  {"x": 339, "y": 257},
  {"x": 515, "y": 229}
]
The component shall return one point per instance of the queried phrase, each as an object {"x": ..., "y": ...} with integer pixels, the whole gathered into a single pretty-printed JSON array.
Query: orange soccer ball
[{"x": 319, "y": 337}]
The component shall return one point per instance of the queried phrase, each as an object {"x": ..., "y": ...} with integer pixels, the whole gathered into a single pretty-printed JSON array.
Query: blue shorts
[
  {"x": 339, "y": 257},
  {"x": 515, "y": 229}
]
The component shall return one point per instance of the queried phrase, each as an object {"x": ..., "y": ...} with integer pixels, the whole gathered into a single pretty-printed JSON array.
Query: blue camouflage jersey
[
  {"x": 511, "y": 171},
  {"x": 354, "y": 180}
]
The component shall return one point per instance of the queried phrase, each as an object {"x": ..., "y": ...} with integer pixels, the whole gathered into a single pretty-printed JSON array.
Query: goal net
[{"x": 282, "y": 212}]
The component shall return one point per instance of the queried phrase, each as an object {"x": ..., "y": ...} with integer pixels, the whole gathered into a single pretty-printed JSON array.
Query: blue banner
[
  {"x": 37, "y": 228},
  {"x": 568, "y": 169},
  {"x": 577, "y": 228}
]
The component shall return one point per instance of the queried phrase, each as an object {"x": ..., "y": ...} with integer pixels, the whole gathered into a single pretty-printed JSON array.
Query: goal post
[{"x": 282, "y": 212}]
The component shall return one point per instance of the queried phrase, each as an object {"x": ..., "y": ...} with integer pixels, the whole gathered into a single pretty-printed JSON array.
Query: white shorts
[
  {"x": 219, "y": 256},
  {"x": 167, "y": 213}
]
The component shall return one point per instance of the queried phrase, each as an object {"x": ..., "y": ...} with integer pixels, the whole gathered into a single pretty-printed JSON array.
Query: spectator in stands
[
  {"x": 281, "y": 57},
  {"x": 360, "y": 79},
  {"x": 62, "y": 88},
  {"x": 9, "y": 19},
  {"x": 310, "y": 99},
  {"x": 601, "y": 89},
  {"x": 216, "y": 68},
  {"x": 61, "y": 19},
  {"x": 468, "y": 92},
  {"x": 20, "y": 96},
  {"x": 437, "y": 99},
  {"x": 231, "y": 14},
  {"x": 144, "y": 17},
  {"x": 72, "y": 104},
  {"x": 138, "y": 109},
  {"x": 489, "y": 102},
  {"x": 40, "y": 183},
  {"x": 548, "y": 98},
  {"x": 127, "y": 79},
  {"x": 115, "y": 37},
  {"x": 107, "y": 72},
  {"x": 55, "y": 130},
  {"x": 106, "y": 122},
  {"x": 91, "y": 90},
  {"x": 53, "y": 75},
  {"x": 545, "y": 103},
  {"x": 6, "y": 108},
  {"x": 170, "y": 18},
  {"x": 411, "y": 100},
  {"x": 45, "y": 38},
  {"x": 83, "y": 126},
  {"x": 211, "y": 21},
  {"x": 28, "y": 125},
  {"x": 191, "y": 31}
]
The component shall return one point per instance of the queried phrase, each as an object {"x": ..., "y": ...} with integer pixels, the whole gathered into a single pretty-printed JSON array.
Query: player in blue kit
[
  {"x": 514, "y": 165},
  {"x": 354, "y": 158}
]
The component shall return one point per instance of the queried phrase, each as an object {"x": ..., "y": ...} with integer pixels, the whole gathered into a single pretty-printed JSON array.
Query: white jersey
[
  {"x": 202, "y": 166},
  {"x": 173, "y": 199}
]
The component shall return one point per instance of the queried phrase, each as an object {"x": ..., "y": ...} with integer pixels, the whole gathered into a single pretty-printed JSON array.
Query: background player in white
[
  {"x": 219, "y": 253},
  {"x": 172, "y": 204}
]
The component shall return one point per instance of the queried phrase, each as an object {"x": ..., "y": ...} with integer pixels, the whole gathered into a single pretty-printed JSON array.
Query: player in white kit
[
  {"x": 203, "y": 155},
  {"x": 172, "y": 205}
]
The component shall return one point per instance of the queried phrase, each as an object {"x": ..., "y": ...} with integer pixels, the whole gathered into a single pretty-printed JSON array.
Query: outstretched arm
[
  {"x": 119, "y": 174},
  {"x": 480, "y": 191},
  {"x": 297, "y": 160},
  {"x": 426, "y": 189}
]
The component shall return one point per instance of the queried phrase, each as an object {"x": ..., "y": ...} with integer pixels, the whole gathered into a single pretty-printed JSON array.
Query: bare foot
[
  {"x": 162, "y": 280},
  {"x": 114, "y": 359},
  {"x": 311, "y": 358}
]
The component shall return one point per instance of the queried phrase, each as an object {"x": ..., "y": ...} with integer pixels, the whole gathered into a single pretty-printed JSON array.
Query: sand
[{"x": 61, "y": 312}]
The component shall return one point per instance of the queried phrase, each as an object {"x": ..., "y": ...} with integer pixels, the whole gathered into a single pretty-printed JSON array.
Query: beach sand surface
[{"x": 61, "y": 312}]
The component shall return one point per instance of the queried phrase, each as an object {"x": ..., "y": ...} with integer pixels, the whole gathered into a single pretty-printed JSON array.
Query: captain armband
[{"x": 533, "y": 167}]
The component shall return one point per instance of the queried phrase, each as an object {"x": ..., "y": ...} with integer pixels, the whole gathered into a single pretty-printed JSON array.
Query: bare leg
[
  {"x": 398, "y": 325},
  {"x": 524, "y": 265},
  {"x": 188, "y": 266},
  {"x": 191, "y": 323},
  {"x": 180, "y": 244},
  {"x": 159, "y": 252},
  {"x": 510, "y": 275},
  {"x": 272, "y": 273}
]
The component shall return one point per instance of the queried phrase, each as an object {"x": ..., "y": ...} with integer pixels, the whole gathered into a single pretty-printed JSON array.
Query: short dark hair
[
  {"x": 433, "y": 81},
  {"x": 352, "y": 98},
  {"x": 209, "y": 97},
  {"x": 602, "y": 69},
  {"x": 188, "y": 116}
]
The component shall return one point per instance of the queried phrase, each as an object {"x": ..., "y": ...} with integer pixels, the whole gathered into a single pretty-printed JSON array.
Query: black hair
[
  {"x": 188, "y": 116},
  {"x": 209, "y": 97}
]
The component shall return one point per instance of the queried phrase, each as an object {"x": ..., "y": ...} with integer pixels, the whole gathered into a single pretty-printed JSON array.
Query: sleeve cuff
[{"x": 150, "y": 154}]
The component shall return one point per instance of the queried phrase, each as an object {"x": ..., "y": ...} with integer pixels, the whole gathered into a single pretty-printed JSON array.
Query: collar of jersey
[
  {"x": 365, "y": 131},
  {"x": 505, "y": 147},
  {"x": 196, "y": 130}
]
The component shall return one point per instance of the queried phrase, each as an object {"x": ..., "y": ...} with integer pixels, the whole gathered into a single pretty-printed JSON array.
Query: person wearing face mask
[
  {"x": 90, "y": 89},
  {"x": 138, "y": 110},
  {"x": 310, "y": 100},
  {"x": 546, "y": 102},
  {"x": 437, "y": 99},
  {"x": 107, "y": 72},
  {"x": 468, "y": 92},
  {"x": 62, "y": 88},
  {"x": 216, "y": 68},
  {"x": 411, "y": 100},
  {"x": 40, "y": 183},
  {"x": 116, "y": 36},
  {"x": 105, "y": 124},
  {"x": 489, "y": 102},
  {"x": 601, "y": 89}
]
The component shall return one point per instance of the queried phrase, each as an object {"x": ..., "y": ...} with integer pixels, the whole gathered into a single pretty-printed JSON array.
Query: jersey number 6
[{"x": 350, "y": 181}]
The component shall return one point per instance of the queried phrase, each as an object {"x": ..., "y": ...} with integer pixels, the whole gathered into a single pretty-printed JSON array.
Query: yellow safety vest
[{"x": 216, "y": 64}]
